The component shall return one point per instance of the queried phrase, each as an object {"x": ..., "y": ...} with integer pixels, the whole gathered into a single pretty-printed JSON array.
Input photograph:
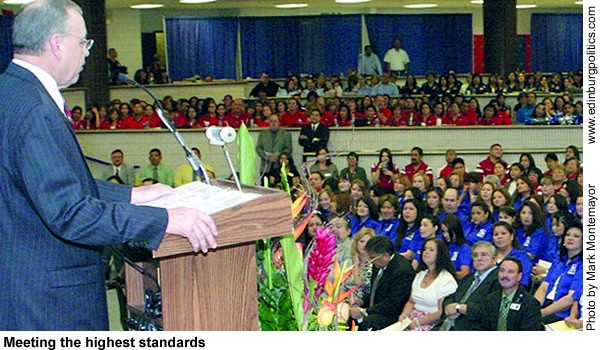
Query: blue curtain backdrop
[
  {"x": 6, "y": 53},
  {"x": 201, "y": 46},
  {"x": 269, "y": 44},
  {"x": 300, "y": 44},
  {"x": 433, "y": 42},
  {"x": 556, "y": 42}
]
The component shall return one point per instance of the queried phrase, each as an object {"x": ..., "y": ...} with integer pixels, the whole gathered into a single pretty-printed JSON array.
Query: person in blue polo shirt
[{"x": 563, "y": 281}]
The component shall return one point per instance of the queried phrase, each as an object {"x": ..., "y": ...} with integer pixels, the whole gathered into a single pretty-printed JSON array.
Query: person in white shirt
[{"x": 397, "y": 59}]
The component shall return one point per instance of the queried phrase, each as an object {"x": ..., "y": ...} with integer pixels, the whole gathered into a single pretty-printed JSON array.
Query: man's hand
[
  {"x": 194, "y": 225},
  {"x": 355, "y": 313},
  {"x": 145, "y": 194}
]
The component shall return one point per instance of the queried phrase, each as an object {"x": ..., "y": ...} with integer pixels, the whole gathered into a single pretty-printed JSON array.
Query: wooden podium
[{"x": 216, "y": 291}]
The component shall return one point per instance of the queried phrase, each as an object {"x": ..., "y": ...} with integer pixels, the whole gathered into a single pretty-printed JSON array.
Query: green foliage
[{"x": 275, "y": 311}]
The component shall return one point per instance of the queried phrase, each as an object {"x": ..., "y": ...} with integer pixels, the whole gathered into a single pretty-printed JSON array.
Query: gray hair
[
  {"x": 39, "y": 20},
  {"x": 488, "y": 245}
]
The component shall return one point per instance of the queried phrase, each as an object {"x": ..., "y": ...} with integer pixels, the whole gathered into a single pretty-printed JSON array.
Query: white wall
[{"x": 124, "y": 33}]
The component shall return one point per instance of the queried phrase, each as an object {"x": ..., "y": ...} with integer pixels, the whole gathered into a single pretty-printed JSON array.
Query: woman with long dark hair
[{"x": 432, "y": 284}]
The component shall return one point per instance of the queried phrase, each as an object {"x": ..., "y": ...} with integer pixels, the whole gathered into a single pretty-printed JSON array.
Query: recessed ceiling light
[
  {"x": 526, "y": 6},
  {"x": 420, "y": 6},
  {"x": 146, "y": 6},
  {"x": 477, "y": 2},
  {"x": 291, "y": 6},
  {"x": 351, "y": 1},
  {"x": 195, "y": 1},
  {"x": 17, "y": 2}
]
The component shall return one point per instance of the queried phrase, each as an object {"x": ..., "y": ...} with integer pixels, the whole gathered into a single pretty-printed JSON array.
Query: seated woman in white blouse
[{"x": 433, "y": 282}]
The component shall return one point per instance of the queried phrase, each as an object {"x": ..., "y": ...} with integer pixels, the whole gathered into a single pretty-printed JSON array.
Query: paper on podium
[
  {"x": 398, "y": 326},
  {"x": 207, "y": 199}
]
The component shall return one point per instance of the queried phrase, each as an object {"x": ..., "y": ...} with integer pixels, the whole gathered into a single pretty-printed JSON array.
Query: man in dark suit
[
  {"x": 56, "y": 217},
  {"x": 315, "y": 135},
  {"x": 461, "y": 308},
  {"x": 512, "y": 308},
  {"x": 390, "y": 286}
]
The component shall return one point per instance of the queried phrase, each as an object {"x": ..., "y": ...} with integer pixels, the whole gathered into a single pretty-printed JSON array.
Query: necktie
[
  {"x": 68, "y": 113},
  {"x": 472, "y": 288},
  {"x": 503, "y": 316},
  {"x": 117, "y": 172},
  {"x": 374, "y": 287},
  {"x": 155, "y": 173},
  {"x": 314, "y": 127}
]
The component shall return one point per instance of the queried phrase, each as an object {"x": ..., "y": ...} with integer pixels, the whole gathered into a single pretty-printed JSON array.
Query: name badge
[
  {"x": 481, "y": 233},
  {"x": 515, "y": 306},
  {"x": 572, "y": 270},
  {"x": 454, "y": 256},
  {"x": 527, "y": 242}
]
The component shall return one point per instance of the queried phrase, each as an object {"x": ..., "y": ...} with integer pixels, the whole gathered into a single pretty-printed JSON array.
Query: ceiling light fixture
[
  {"x": 146, "y": 6},
  {"x": 195, "y": 1},
  {"x": 526, "y": 6},
  {"x": 351, "y": 1},
  {"x": 17, "y": 2},
  {"x": 477, "y": 2},
  {"x": 291, "y": 6},
  {"x": 420, "y": 6}
]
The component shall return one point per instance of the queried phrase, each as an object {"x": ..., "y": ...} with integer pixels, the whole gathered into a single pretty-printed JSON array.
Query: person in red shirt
[
  {"x": 263, "y": 122},
  {"x": 383, "y": 111},
  {"x": 490, "y": 116},
  {"x": 153, "y": 119},
  {"x": 138, "y": 120},
  {"x": 454, "y": 117},
  {"x": 427, "y": 117},
  {"x": 293, "y": 117},
  {"x": 210, "y": 118},
  {"x": 486, "y": 166},
  {"x": 396, "y": 119},
  {"x": 113, "y": 122},
  {"x": 416, "y": 164},
  {"x": 410, "y": 115},
  {"x": 449, "y": 168},
  {"x": 237, "y": 115},
  {"x": 383, "y": 171},
  {"x": 328, "y": 118},
  {"x": 344, "y": 116}
]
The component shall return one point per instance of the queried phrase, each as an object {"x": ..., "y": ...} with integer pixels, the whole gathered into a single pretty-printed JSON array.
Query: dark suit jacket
[
  {"x": 393, "y": 290},
  {"x": 527, "y": 318},
  {"x": 56, "y": 217},
  {"x": 309, "y": 144},
  {"x": 475, "y": 303}
]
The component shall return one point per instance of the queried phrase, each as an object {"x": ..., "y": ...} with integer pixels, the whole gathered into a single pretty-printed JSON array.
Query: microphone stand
[{"x": 191, "y": 157}]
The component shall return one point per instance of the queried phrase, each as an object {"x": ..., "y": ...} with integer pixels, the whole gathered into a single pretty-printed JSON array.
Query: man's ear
[{"x": 55, "y": 43}]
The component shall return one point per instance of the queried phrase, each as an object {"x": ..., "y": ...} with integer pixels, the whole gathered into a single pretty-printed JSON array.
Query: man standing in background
[
  {"x": 397, "y": 59},
  {"x": 368, "y": 63}
]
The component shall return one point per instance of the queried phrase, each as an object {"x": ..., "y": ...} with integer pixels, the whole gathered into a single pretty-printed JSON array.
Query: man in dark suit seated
[
  {"x": 390, "y": 286},
  {"x": 512, "y": 308},
  {"x": 473, "y": 292}
]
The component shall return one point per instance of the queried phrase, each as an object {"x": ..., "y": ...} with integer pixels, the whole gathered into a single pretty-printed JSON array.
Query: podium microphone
[
  {"x": 221, "y": 136},
  {"x": 191, "y": 157}
]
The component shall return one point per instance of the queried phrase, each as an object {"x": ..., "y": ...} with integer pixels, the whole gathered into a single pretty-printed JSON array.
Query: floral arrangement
[{"x": 296, "y": 293}]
